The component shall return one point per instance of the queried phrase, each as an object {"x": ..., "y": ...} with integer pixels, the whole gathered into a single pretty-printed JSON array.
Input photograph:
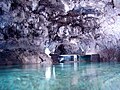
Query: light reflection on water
[{"x": 74, "y": 76}]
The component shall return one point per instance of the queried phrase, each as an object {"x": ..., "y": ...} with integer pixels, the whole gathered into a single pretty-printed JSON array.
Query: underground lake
[
  {"x": 72, "y": 76},
  {"x": 59, "y": 44}
]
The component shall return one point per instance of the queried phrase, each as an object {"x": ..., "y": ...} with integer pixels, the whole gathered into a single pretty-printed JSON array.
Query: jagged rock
[
  {"x": 86, "y": 26},
  {"x": 1, "y": 36},
  {"x": 21, "y": 56}
]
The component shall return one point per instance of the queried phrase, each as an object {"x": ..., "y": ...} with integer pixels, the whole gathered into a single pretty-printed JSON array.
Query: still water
[{"x": 75, "y": 76}]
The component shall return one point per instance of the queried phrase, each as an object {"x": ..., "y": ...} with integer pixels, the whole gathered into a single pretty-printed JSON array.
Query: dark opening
[
  {"x": 1, "y": 11},
  {"x": 60, "y": 50}
]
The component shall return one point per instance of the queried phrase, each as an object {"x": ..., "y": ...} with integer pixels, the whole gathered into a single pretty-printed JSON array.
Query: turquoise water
[{"x": 76, "y": 76}]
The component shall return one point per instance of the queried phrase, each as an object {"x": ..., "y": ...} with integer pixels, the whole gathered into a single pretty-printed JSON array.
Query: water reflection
[
  {"x": 73, "y": 76},
  {"x": 48, "y": 73},
  {"x": 54, "y": 75},
  {"x": 75, "y": 66}
]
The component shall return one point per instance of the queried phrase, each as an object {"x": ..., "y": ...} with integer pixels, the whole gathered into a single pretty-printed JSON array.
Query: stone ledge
[{"x": 20, "y": 57}]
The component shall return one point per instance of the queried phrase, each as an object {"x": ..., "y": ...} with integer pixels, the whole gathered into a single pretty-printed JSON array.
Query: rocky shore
[{"x": 21, "y": 57}]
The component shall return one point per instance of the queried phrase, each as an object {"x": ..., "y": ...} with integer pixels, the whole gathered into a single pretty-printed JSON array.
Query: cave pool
[{"x": 72, "y": 76}]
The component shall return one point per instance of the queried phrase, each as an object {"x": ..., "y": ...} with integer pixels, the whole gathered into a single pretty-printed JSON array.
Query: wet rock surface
[
  {"x": 21, "y": 56},
  {"x": 79, "y": 26}
]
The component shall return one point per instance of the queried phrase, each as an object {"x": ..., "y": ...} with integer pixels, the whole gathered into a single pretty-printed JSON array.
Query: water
[{"x": 76, "y": 76}]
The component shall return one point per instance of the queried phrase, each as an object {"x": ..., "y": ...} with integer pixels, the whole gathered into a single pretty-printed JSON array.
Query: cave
[
  {"x": 59, "y": 44},
  {"x": 75, "y": 27}
]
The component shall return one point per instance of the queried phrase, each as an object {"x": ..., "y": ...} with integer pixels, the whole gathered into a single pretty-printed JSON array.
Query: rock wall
[{"x": 79, "y": 26}]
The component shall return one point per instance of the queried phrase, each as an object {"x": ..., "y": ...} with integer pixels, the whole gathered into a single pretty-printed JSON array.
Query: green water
[{"x": 76, "y": 76}]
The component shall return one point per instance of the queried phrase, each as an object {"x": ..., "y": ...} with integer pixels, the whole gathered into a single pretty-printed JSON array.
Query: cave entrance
[{"x": 60, "y": 50}]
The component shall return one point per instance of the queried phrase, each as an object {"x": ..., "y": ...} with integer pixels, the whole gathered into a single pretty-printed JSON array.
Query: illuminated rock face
[{"x": 81, "y": 26}]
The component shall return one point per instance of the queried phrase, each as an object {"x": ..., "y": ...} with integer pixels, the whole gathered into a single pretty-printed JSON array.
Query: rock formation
[{"x": 28, "y": 27}]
